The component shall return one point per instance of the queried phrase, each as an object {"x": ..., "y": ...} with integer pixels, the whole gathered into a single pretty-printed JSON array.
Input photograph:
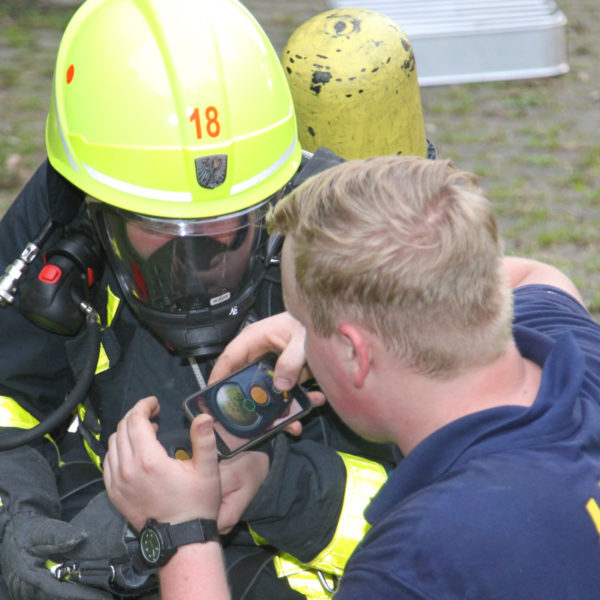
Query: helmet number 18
[{"x": 211, "y": 120}]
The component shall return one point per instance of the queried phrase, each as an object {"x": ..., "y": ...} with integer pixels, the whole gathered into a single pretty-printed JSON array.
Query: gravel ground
[{"x": 533, "y": 143}]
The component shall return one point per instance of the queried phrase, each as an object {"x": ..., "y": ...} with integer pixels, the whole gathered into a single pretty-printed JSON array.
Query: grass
[{"x": 29, "y": 35}]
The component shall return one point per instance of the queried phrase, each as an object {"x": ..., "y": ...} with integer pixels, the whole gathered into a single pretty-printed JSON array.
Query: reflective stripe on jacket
[{"x": 317, "y": 580}]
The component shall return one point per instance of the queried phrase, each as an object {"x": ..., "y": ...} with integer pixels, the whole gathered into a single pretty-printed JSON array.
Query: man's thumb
[
  {"x": 204, "y": 443},
  {"x": 51, "y": 536}
]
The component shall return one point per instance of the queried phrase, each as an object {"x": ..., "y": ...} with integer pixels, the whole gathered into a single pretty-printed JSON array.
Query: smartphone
[{"x": 246, "y": 407}]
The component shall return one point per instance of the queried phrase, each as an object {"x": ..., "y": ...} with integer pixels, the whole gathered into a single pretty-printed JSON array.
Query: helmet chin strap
[{"x": 193, "y": 361}]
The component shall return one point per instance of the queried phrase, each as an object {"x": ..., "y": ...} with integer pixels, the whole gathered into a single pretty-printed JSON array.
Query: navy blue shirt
[{"x": 503, "y": 503}]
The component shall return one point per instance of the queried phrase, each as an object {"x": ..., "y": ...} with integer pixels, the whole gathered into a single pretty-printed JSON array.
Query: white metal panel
[{"x": 459, "y": 41}]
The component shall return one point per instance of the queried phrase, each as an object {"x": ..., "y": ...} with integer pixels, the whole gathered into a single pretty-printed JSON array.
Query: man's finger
[
  {"x": 111, "y": 459},
  {"x": 121, "y": 445},
  {"x": 228, "y": 362},
  {"x": 141, "y": 433},
  {"x": 246, "y": 347},
  {"x": 149, "y": 407},
  {"x": 271, "y": 334},
  {"x": 291, "y": 362},
  {"x": 316, "y": 398}
]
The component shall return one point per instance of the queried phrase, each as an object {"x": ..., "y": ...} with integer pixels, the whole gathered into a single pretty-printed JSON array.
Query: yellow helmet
[
  {"x": 176, "y": 119},
  {"x": 154, "y": 110},
  {"x": 353, "y": 78}
]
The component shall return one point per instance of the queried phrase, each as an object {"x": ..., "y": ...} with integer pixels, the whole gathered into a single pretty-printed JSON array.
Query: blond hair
[{"x": 410, "y": 248}]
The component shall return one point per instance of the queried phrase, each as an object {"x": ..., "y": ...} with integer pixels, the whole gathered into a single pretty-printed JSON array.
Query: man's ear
[{"x": 359, "y": 352}]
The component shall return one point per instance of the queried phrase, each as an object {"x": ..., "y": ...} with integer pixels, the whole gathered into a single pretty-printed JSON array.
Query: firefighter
[{"x": 170, "y": 133}]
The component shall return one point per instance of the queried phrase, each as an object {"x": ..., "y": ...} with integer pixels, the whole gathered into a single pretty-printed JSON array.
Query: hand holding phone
[{"x": 246, "y": 407}]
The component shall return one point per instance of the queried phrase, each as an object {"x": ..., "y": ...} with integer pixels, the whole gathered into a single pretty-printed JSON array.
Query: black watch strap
[{"x": 191, "y": 532}]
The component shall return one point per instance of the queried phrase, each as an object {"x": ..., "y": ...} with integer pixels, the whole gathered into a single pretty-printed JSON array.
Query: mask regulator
[{"x": 57, "y": 300}]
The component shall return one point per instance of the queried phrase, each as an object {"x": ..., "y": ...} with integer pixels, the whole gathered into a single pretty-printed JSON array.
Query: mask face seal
[{"x": 182, "y": 276}]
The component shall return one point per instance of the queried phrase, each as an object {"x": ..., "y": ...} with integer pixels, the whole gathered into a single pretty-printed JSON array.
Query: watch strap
[{"x": 192, "y": 532}]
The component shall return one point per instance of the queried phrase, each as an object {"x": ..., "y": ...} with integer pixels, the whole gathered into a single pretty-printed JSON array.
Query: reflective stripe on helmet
[
  {"x": 137, "y": 190},
  {"x": 185, "y": 113}
]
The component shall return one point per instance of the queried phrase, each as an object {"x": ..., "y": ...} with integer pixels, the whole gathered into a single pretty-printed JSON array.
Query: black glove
[
  {"x": 105, "y": 557},
  {"x": 28, "y": 540},
  {"x": 31, "y": 532}
]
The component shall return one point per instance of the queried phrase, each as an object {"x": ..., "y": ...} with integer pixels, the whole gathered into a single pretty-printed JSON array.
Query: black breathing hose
[{"x": 15, "y": 438}]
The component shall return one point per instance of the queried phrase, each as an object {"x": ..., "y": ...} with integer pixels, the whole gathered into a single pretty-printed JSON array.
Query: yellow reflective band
[
  {"x": 594, "y": 512},
  {"x": 14, "y": 415},
  {"x": 112, "y": 304},
  {"x": 315, "y": 579},
  {"x": 307, "y": 582},
  {"x": 103, "y": 363},
  {"x": 364, "y": 479},
  {"x": 95, "y": 458},
  {"x": 258, "y": 540}
]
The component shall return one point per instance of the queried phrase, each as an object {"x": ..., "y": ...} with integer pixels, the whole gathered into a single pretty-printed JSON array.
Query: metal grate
[{"x": 460, "y": 41}]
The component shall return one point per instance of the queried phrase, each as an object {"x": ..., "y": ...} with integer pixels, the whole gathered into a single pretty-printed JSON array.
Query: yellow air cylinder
[{"x": 354, "y": 82}]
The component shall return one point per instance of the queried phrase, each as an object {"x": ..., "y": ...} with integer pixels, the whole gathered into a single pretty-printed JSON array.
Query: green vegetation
[{"x": 29, "y": 35}]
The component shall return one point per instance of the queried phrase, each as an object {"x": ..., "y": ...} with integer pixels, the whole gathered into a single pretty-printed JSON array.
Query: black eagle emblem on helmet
[{"x": 211, "y": 170}]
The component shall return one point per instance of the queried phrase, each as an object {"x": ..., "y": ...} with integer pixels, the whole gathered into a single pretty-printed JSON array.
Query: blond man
[{"x": 400, "y": 303}]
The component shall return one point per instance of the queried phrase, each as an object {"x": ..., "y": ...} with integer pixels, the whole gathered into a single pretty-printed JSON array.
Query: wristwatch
[{"x": 159, "y": 541}]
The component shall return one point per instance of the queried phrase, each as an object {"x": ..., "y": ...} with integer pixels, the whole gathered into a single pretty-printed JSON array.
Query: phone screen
[{"x": 246, "y": 407}]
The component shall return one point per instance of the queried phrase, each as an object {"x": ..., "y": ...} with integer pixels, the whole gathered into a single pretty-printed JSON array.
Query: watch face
[{"x": 150, "y": 545}]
